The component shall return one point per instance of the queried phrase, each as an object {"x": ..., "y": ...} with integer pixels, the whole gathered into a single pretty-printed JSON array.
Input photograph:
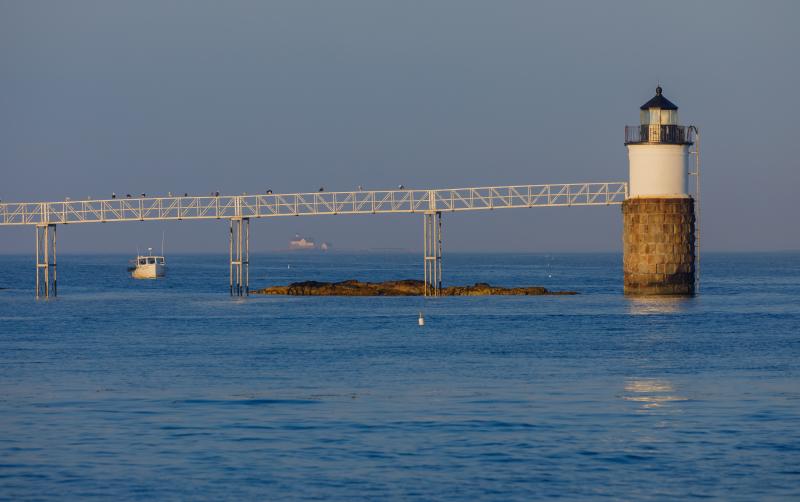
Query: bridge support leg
[
  {"x": 46, "y": 275},
  {"x": 432, "y": 244},
  {"x": 240, "y": 257}
]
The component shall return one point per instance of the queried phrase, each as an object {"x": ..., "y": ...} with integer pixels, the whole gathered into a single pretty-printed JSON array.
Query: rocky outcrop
[{"x": 407, "y": 287}]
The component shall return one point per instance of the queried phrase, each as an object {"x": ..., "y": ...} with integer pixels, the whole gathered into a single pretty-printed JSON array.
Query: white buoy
[{"x": 421, "y": 320}]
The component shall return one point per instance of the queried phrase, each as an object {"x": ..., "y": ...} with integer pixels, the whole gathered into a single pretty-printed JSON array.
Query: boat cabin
[{"x": 150, "y": 260}]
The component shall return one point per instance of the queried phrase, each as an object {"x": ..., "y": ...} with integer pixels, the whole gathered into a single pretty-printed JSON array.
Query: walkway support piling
[
  {"x": 46, "y": 272},
  {"x": 239, "y": 251},
  {"x": 432, "y": 244}
]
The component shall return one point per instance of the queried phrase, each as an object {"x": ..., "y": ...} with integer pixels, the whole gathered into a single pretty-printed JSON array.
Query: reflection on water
[
  {"x": 657, "y": 305},
  {"x": 651, "y": 393}
]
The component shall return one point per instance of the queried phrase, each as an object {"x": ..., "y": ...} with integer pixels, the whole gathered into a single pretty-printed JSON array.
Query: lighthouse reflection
[
  {"x": 657, "y": 305},
  {"x": 653, "y": 394}
]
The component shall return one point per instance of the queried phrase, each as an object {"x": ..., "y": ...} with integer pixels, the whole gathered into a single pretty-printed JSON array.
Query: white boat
[
  {"x": 149, "y": 266},
  {"x": 301, "y": 243}
]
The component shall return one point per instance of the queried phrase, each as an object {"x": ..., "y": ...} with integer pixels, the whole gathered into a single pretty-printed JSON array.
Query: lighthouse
[{"x": 659, "y": 213}]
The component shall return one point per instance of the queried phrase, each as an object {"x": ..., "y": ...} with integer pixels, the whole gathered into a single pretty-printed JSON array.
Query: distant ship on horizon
[{"x": 307, "y": 244}]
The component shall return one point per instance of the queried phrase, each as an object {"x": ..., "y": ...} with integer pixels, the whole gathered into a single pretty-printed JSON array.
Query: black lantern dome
[{"x": 659, "y": 101}]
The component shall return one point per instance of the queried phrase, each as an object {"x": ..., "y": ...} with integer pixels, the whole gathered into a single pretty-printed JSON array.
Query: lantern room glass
[
  {"x": 656, "y": 116},
  {"x": 669, "y": 117}
]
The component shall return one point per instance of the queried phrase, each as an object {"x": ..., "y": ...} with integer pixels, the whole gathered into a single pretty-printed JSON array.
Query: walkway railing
[{"x": 311, "y": 204}]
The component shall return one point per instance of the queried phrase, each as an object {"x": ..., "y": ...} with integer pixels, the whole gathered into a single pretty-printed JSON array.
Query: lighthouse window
[
  {"x": 655, "y": 115},
  {"x": 669, "y": 117}
]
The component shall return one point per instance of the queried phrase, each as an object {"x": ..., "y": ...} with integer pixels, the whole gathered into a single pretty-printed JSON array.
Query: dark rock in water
[{"x": 408, "y": 287}]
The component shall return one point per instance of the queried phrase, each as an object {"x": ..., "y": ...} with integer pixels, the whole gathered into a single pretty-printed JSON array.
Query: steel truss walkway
[{"x": 240, "y": 208}]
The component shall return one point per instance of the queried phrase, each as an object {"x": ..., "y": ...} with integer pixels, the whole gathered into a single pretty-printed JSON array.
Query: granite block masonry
[{"x": 658, "y": 246}]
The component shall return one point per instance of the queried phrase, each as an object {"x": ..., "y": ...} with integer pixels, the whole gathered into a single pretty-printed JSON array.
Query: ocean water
[{"x": 170, "y": 389}]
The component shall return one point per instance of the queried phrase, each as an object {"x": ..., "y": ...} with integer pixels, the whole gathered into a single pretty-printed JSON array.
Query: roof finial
[{"x": 658, "y": 90}]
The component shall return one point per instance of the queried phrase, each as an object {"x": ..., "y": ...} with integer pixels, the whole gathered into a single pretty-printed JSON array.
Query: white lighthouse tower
[
  {"x": 658, "y": 151},
  {"x": 659, "y": 214}
]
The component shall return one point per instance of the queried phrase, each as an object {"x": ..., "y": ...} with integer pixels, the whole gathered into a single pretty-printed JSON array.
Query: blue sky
[{"x": 234, "y": 96}]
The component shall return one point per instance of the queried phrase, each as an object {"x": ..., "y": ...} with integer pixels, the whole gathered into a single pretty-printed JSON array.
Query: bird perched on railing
[
  {"x": 113, "y": 195},
  {"x": 321, "y": 189}
]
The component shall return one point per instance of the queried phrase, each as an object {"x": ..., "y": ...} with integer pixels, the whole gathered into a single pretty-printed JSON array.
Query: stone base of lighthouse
[{"x": 658, "y": 246}]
